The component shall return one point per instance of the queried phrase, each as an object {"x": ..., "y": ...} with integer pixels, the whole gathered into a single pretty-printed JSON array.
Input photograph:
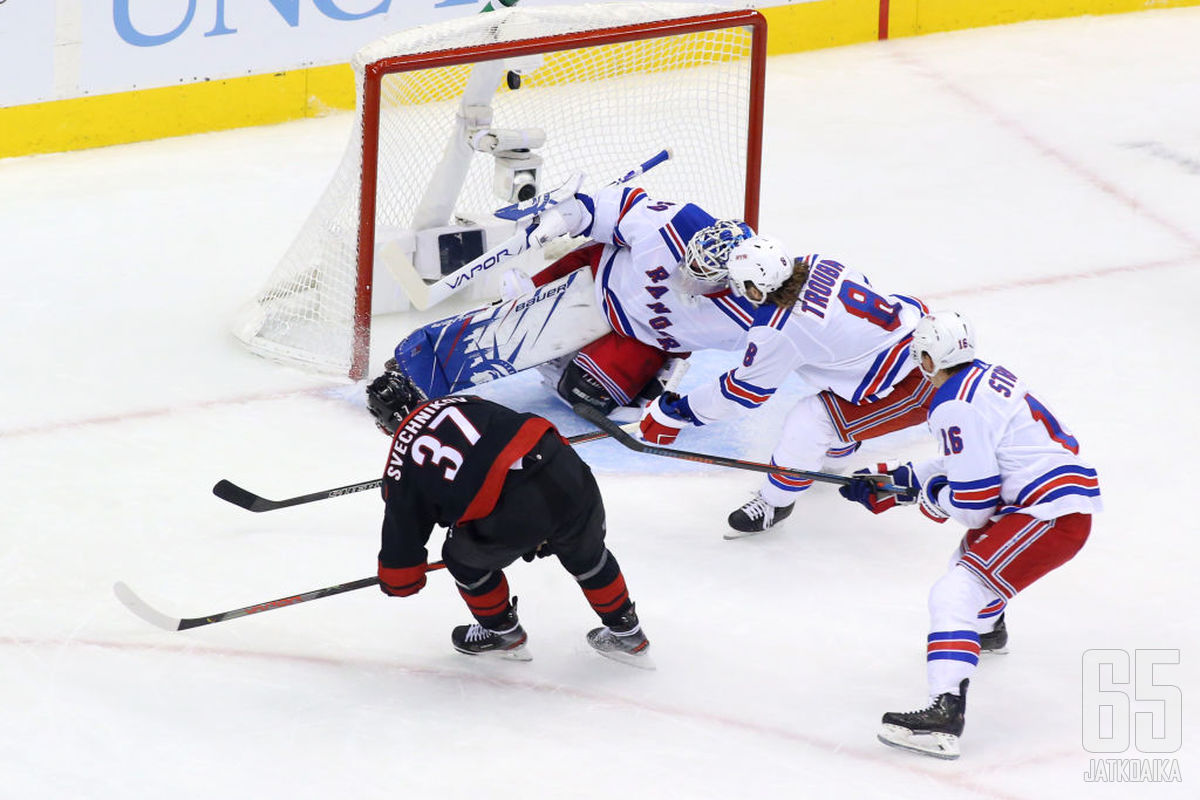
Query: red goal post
[{"x": 454, "y": 115}]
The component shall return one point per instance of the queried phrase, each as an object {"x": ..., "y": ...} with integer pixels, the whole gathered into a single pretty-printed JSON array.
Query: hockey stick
[
  {"x": 621, "y": 435},
  {"x": 155, "y": 617},
  {"x": 423, "y": 295},
  {"x": 243, "y": 498}
]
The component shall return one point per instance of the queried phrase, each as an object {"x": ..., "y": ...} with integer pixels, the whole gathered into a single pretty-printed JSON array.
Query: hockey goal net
[{"x": 458, "y": 119}]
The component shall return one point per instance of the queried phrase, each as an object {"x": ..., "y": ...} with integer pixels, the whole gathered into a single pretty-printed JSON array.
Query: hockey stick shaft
[
  {"x": 157, "y": 618},
  {"x": 243, "y": 498},
  {"x": 424, "y": 296},
  {"x": 605, "y": 424}
]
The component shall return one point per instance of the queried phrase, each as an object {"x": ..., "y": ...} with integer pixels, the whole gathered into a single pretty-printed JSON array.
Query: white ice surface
[{"x": 1044, "y": 178}]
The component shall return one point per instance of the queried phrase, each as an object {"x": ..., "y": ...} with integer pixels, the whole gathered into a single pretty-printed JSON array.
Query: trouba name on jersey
[
  {"x": 819, "y": 287},
  {"x": 539, "y": 296},
  {"x": 406, "y": 435}
]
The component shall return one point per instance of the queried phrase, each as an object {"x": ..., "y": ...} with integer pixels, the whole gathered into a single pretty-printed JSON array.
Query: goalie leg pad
[{"x": 479, "y": 346}]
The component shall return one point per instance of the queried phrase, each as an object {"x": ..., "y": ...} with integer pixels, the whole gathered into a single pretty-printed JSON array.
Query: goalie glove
[
  {"x": 665, "y": 417},
  {"x": 571, "y": 217},
  {"x": 514, "y": 284},
  {"x": 864, "y": 490}
]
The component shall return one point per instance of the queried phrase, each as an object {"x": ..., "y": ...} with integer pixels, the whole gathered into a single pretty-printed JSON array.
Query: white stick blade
[
  {"x": 138, "y": 606},
  {"x": 396, "y": 261}
]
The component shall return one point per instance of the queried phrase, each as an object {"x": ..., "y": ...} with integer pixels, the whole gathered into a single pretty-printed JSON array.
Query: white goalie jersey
[
  {"x": 640, "y": 286},
  {"x": 1004, "y": 452}
]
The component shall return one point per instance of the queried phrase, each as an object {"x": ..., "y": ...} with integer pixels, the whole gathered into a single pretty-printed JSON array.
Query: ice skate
[
  {"x": 624, "y": 641},
  {"x": 507, "y": 641},
  {"x": 933, "y": 731},
  {"x": 756, "y": 516},
  {"x": 996, "y": 640}
]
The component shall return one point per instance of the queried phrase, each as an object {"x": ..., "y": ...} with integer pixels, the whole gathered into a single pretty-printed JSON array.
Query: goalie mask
[
  {"x": 947, "y": 337},
  {"x": 707, "y": 252},
  {"x": 391, "y": 397},
  {"x": 759, "y": 262}
]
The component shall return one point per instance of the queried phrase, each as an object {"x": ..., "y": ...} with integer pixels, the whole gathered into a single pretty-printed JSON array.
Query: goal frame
[{"x": 374, "y": 73}]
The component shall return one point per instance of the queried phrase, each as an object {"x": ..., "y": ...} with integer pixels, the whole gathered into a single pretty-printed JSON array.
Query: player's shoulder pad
[
  {"x": 962, "y": 387},
  {"x": 769, "y": 315},
  {"x": 689, "y": 219}
]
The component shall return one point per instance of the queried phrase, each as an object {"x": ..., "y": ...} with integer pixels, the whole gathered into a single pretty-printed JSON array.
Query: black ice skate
[
  {"x": 624, "y": 641},
  {"x": 995, "y": 641},
  {"x": 933, "y": 731},
  {"x": 756, "y": 516},
  {"x": 505, "y": 641}
]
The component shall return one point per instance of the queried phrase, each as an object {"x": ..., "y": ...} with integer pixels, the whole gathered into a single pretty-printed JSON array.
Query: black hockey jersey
[{"x": 447, "y": 466}]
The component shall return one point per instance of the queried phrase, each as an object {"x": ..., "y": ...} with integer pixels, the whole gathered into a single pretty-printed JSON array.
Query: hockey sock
[
  {"x": 950, "y": 656},
  {"x": 988, "y": 614},
  {"x": 488, "y": 599},
  {"x": 604, "y": 588},
  {"x": 952, "y": 649}
]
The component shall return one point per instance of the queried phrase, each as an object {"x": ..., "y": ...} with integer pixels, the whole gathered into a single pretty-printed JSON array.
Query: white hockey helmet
[
  {"x": 761, "y": 262},
  {"x": 707, "y": 252},
  {"x": 949, "y": 339}
]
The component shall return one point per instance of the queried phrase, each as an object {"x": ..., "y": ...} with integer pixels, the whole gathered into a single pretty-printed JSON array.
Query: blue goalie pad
[{"x": 454, "y": 354}]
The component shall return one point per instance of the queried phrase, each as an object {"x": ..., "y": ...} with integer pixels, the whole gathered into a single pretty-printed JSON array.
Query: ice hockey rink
[{"x": 1043, "y": 178}]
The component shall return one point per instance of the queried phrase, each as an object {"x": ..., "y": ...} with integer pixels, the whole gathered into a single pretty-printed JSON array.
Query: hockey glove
[
  {"x": 865, "y": 489},
  {"x": 541, "y": 551},
  {"x": 930, "y": 506},
  {"x": 665, "y": 417},
  {"x": 569, "y": 218},
  {"x": 402, "y": 581},
  {"x": 514, "y": 284}
]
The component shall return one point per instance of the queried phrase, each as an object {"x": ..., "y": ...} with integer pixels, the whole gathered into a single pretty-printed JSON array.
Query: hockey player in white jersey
[
  {"x": 824, "y": 322},
  {"x": 658, "y": 270},
  {"x": 1011, "y": 473}
]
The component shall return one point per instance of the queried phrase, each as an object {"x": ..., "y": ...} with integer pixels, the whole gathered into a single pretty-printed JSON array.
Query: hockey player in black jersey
[{"x": 506, "y": 485}]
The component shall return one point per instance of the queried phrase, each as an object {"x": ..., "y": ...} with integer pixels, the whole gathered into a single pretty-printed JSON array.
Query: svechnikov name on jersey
[{"x": 407, "y": 432}]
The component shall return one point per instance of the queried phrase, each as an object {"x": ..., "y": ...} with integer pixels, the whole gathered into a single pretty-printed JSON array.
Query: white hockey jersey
[
  {"x": 639, "y": 283},
  {"x": 1003, "y": 451},
  {"x": 841, "y": 335}
]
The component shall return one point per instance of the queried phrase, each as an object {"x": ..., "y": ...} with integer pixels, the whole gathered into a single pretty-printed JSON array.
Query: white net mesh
[{"x": 604, "y": 108}]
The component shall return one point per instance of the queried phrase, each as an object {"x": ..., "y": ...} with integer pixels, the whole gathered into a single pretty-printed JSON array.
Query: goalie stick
[
  {"x": 624, "y": 437},
  {"x": 141, "y": 608},
  {"x": 423, "y": 295},
  {"x": 243, "y": 498}
]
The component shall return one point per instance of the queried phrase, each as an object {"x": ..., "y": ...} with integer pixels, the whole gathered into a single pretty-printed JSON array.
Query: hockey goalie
[{"x": 605, "y": 324}]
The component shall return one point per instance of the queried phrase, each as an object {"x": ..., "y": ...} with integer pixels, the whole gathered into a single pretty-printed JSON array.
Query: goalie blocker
[{"x": 557, "y": 319}]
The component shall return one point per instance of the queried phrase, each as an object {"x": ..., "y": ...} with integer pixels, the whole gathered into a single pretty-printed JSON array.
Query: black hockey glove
[{"x": 541, "y": 551}]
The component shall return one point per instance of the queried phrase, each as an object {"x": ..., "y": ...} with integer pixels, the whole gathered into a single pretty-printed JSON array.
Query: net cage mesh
[{"x": 605, "y": 108}]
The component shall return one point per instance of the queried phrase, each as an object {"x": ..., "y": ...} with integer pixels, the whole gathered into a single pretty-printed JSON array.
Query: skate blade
[
  {"x": 938, "y": 745},
  {"x": 731, "y": 534},
  {"x": 640, "y": 661},
  {"x": 999, "y": 651},
  {"x": 518, "y": 653}
]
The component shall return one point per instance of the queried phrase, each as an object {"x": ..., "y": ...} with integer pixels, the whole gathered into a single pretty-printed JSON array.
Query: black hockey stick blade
[
  {"x": 244, "y": 498},
  {"x": 231, "y": 492},
  {"x": 141, "y": 608},
  {"x": 602, "y": 422}
]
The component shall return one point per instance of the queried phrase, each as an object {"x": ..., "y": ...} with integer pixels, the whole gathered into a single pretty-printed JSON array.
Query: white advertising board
[
  {"x": 27, "y": 42},
  {"x": 56, "y": 49}
]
